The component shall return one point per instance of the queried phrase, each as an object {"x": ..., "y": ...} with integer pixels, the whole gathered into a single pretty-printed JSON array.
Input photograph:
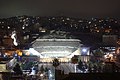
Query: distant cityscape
[
  {"x": 69, "y": 24},
  {"x": 51, "y": 47},
  {"x": 29, "y": 28}
]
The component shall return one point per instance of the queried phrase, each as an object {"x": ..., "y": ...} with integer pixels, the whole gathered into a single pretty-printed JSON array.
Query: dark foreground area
[
  {"x": 93, "y": 76},
  {"x": 71, "y": 76}
]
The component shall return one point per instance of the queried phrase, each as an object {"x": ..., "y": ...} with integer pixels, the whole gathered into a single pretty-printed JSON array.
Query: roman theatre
[{"x": 50, "y": 48}]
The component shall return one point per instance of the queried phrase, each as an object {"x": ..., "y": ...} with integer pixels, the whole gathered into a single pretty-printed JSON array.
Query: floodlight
[{"x": 84, "y": 50}]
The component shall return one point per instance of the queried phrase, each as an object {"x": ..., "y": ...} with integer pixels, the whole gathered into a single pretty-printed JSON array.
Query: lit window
[
  {"x": 8, "y": 27},
  {"x": 67, "y": 18},
  {"x": 23, "y": 27},
  {"x": 89, "y": 22}
]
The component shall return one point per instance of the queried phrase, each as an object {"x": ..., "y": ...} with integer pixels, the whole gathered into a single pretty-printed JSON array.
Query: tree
[
  {"x": 74, "y": 59},
  {"x": 80, "y": 64},
  {"x": 97, "y": 55},
  {"x": 17, "y": 69},
  {"x": 96, "y": 61},
  {"x": 42, "y": 69},
  {"x": 56, "y": 62}
]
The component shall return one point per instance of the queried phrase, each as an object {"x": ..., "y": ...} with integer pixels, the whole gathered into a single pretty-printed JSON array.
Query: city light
[
  {"x": 84, "y": 50},
  {"x": 13, "y": 36}
]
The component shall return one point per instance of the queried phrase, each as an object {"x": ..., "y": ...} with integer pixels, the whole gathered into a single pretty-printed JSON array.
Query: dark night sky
[{"x": 74, "y": 8}]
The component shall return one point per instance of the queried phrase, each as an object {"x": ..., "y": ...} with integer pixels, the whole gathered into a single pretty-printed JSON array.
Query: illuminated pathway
[{"x": 66, "y": 67}]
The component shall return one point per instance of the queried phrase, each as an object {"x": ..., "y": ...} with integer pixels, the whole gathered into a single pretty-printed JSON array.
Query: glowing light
[
  {"x": 84, "y": 50},
  {"x": 68, "y": 18},
  {"x": 34, "y": 52},
  {"x": 41, "y": 75},
  {"x": 51, "y": 75},
  {"x": 89, "y": 22},
  {"x": 55, "y": 54},
  {"x": 20, "y": 53},
  {"x": 108, "y": 55},
  {"x": 8, "y": 27},
  {"x": 13, "y": 36},
  {"x": 23, "y": 27},
  {"x": 27, "y": 53},
  {"x": 43, "y": 31}
]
